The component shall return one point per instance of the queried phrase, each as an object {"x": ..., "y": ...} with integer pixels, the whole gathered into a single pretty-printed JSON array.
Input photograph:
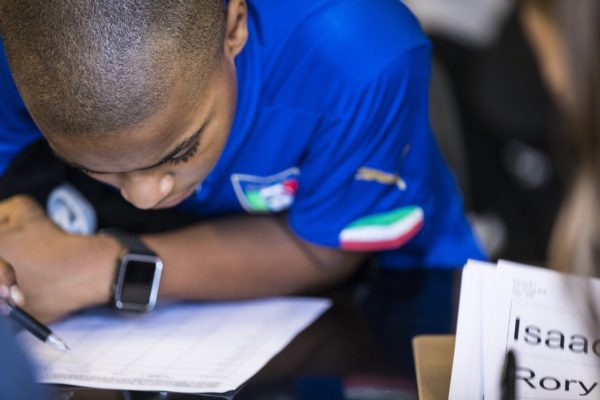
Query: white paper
[
  {"x": 548, "y": 319},
  {"x": 468, "y": 356},
  {"x": 555, "y": 309},
  {"x": 189, "y": 348}
]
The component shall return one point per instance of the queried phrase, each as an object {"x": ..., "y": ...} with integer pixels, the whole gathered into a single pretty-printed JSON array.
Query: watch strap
[{"x": 130, "y": 241}]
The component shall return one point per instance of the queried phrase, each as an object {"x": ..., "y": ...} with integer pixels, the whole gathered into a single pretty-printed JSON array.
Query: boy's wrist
[{"x": 102, "y": 254}]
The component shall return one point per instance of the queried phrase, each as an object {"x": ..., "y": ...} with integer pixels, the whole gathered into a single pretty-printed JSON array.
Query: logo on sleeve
[
  {"x": 263, "y": 194},
  {"x": 375, "y": 175},
  {"x": 383, "y": 231}
]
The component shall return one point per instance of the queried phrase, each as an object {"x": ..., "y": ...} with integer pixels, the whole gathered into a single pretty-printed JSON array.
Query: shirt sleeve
[
  {"x": 374, "y": 179},
  {"x": 17, "y": 129}
]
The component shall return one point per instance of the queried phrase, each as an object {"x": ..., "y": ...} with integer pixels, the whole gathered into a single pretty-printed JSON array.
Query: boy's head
[
  {"x": 123, "y": 88},
  {"x": 88, "y": 67}
]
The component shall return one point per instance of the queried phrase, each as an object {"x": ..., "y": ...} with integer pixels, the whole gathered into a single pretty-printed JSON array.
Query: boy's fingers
[
  {"x": 4, "y": 292},
  {"x": 9, "y": 290},
  {"x": 7, "y": 274},
  {"x": 17, "y": 296}
]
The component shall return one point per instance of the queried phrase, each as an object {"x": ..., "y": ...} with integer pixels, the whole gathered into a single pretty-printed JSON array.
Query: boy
[{"x": 312, "y": 116}]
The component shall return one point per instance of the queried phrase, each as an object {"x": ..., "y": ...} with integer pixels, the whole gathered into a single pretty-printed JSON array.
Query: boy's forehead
[
  {"x": 132, "y": 149},
  {"x": 137, "y": 147}
]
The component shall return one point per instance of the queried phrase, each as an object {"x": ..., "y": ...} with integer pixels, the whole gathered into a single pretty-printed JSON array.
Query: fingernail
[
  {"x": 4, "y": 292},
  {"x": 16, "y": 295}
]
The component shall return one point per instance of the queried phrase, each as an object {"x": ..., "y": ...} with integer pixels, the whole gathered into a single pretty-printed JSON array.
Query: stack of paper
[
  {"x": 548, "y": 319},
  {"x": 192, "y": 348}
]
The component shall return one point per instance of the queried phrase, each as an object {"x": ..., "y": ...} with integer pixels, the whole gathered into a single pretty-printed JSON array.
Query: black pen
[
  {"x": 509, "y": 375},
  {"x": 36, "y": 328}
]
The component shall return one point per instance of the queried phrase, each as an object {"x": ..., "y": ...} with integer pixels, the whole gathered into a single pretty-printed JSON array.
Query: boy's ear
[{"x": 236, "y": 32}]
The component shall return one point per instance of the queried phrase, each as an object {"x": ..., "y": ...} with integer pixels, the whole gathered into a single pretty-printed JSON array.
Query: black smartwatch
[{"x": 137, "y": 276}]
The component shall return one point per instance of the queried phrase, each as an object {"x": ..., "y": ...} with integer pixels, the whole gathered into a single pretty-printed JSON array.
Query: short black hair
[{"x": 94, "y": 66}]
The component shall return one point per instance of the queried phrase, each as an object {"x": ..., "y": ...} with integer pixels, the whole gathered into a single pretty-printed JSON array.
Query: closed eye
[{"x": 189, "y": 153}]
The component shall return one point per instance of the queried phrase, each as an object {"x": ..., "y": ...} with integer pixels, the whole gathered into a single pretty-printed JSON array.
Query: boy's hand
[{"x": 58, "y": 273}]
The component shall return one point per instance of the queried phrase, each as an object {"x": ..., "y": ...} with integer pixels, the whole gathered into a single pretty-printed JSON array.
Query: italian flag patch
[{"x": 382, "y": 231}]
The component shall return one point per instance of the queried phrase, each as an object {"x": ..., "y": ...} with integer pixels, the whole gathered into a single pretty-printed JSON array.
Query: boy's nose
[{"x": 146, "y": 191}]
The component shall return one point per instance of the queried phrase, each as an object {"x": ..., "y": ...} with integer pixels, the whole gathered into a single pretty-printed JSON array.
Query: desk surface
[
  {"x": 360, "y": 349},
  {"x": 433, "y": 363}
]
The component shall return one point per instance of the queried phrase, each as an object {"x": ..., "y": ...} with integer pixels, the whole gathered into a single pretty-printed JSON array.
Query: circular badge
[{"x": 71, "y": 211}]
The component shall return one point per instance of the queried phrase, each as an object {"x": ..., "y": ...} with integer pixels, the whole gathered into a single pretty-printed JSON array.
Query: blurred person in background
[
  {"x": 566, "y": 38},
  {"x": 490, "y": 108}
]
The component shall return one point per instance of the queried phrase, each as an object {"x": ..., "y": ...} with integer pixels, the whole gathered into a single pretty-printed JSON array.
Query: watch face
[{"x": 137, "y": 286}]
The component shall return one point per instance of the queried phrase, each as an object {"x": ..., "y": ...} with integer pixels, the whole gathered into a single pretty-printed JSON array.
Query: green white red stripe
[{"x": 383, "y": 231}]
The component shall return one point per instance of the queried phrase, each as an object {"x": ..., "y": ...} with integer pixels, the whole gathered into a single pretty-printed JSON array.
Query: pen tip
[{"x": 57, "y": 343}]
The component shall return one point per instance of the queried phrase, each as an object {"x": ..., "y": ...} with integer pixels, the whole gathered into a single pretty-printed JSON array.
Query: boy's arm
[
  {"x": 236, "y": 257},
  {"x": 245, "y": 256}
]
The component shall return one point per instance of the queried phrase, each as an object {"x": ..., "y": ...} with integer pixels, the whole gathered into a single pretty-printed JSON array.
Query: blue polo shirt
[{"x": 332, "y": 128}]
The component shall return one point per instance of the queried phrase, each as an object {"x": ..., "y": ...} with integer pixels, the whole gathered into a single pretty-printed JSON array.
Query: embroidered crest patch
[{"x": 263, "y": 194}]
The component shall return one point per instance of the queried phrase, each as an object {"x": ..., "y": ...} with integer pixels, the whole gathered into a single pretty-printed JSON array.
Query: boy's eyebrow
[{"x": 183, "y": 145}]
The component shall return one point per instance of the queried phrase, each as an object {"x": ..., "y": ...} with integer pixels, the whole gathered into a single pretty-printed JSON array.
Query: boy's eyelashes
[{"x": 185, "y": 156}]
